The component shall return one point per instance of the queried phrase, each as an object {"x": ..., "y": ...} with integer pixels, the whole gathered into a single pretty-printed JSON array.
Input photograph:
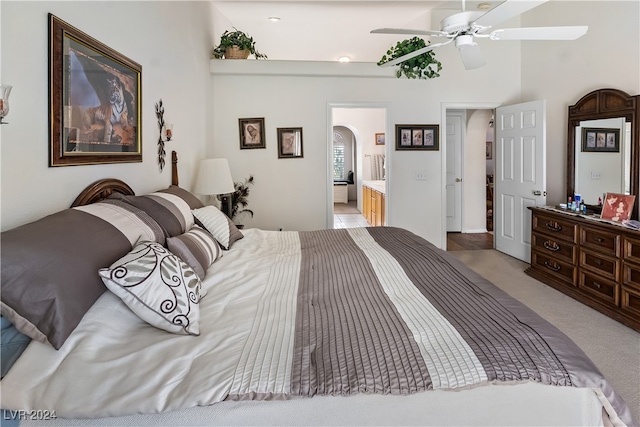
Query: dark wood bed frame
[{"x": 103, "y": 188}]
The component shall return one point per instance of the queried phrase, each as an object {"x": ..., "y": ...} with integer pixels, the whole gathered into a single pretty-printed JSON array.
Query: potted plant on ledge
[
  {"x": 423, "y": 66},
  {"x": 236, "y": 45}
]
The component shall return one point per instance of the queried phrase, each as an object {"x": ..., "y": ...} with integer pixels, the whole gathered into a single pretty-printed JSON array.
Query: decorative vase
[{"x": 235, "y": 52}]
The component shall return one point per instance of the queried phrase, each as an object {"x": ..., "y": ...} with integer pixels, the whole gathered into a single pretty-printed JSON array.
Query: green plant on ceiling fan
[{"x": 424, "y": 66}]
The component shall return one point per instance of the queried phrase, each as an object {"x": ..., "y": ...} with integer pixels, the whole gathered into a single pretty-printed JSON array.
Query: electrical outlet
[
  {"x": 596, "y": 175},
  {"x": 421, "y": 176}
]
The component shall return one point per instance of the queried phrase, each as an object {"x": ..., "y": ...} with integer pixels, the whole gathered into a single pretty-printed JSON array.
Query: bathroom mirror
[{"x": 603, "y": 149}]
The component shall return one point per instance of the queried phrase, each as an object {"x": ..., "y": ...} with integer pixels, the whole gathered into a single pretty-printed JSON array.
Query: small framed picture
[
  {"x": 417, "y": 137},
  {"x": 379, "y": 138},
  {"x": 605, "y": 140},
  {"x": 252, "y": 133},
  {"x": 617, "y": 207},
  {"x": 289, "y": 143},
  {"x": 489, "y": 150}
]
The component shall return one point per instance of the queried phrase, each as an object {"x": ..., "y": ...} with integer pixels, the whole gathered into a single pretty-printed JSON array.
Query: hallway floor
[{"x": 347, "y": 215}]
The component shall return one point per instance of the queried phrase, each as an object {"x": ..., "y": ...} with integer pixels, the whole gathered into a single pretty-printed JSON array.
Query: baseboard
[{"x": 478, "y": 230}]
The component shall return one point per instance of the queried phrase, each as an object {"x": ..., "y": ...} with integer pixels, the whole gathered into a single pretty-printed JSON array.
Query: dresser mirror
[{"x": 603, "y": 146}]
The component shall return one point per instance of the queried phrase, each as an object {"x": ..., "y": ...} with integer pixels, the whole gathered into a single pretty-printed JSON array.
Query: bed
[{"x": 367, "y": 326}]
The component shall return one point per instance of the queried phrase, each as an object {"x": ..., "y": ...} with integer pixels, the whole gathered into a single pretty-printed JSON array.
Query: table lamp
[{"x": 214, "y": 178}]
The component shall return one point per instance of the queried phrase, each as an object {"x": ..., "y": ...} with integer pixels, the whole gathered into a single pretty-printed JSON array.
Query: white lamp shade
[{"x": 214, "y": 177}]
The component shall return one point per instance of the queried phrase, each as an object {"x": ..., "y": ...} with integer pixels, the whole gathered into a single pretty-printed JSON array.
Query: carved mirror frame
[{"x": 605, "y": 104}]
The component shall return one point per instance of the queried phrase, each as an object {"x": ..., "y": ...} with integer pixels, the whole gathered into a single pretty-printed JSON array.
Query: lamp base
[{"x": 225, "y": 206}]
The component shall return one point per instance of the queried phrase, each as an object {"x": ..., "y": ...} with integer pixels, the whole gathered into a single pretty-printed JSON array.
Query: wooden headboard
[{"x": 104, "y": 188}]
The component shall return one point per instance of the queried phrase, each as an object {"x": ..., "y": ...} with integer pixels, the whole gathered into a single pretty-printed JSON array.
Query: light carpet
[{"x": 613, "y": 347}]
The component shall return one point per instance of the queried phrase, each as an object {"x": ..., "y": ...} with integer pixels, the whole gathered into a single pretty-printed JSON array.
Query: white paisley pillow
[{"x": 158, "y": 287}]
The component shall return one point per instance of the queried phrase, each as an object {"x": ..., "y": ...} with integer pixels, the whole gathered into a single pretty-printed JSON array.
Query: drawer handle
[
  {"x": 599, "y": 239},
  {"x": 597, "y": 262},
  {"x": 552, "y": 246},
  {"x": 554, "y": 266},
  {"x": 554, "y": 227},
  {"x": 597, "y": 285}
]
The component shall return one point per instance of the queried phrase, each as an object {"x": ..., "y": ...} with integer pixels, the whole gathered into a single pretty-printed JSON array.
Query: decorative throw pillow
[
  {"x": 49, "y": 266},
  {"x": 158, "y": 287},
  {"x": 12, "y": 344},
  {"x": 197, "y": 247},
  {"x": 219, "y": 225},
  {"x": 170, "y": 211},
  {"x": 191, "y": 199}
]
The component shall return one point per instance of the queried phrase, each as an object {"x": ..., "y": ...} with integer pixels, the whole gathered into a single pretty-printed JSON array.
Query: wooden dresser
[{"x": 592, "y": 261}]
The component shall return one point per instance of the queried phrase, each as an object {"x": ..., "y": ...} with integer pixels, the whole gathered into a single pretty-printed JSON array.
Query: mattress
[{"x": 355, "y": 326}]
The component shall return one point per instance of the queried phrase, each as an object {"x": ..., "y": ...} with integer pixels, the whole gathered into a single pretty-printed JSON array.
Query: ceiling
[{"x": 326, "y": 30}]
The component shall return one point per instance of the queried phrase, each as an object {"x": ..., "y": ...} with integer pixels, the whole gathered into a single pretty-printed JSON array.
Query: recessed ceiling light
[
  {"x": 274, "y": 18},
  {"x": 484, "y": 6},
  {"x": 344, "y": 59}
]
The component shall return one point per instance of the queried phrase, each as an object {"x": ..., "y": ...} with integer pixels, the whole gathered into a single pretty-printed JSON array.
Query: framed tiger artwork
[{"x": 94, "y": 95}]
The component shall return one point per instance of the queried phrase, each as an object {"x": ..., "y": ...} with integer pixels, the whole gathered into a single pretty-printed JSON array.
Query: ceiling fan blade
[
  {"x": 540, "y": 33},
  {"x": 472, "y": 56},
  {"x": 409, "y": 31},
  {"x": 412, "y": 54},
  {"x": 504, "y": 11}
]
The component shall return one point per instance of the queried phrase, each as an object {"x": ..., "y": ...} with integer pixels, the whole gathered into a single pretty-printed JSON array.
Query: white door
[
  {"x": 520, "y": 175},
  {"x": 454, "y": 138}
]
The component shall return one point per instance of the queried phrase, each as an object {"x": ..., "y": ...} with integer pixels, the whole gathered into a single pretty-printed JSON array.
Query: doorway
[
  {"x": 356, "y": 133},
  {"x": 466, "y": 165}
]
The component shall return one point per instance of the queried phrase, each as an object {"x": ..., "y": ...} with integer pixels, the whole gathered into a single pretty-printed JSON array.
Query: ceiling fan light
[{"x": 464, "y": 40}]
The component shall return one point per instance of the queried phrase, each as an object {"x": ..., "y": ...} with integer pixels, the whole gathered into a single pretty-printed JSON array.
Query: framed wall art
[
  {"x": 94, "y": 94},
  {"x": 617, "y": 207},
  {"x": 489, "y": 152},
  {"x": 289, "y": 143},
  {"x": 379, "y": 138},
  {"x": 417, "y": 137},
  {"x": 605, "y": 140},
  {"x": 252, "y": 133}
]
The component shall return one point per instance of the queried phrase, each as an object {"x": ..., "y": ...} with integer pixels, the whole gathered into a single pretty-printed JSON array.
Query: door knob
[
  {"x": 458, "y": 179},
  {"x": 539, "y": 193}
]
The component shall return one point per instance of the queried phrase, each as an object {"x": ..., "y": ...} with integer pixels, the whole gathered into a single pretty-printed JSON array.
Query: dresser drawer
[
  {"x": 602, "y": 241},
  {"x": 599, "y": 288},
  {"x": 552, "y": 265},
  {"x": 600, "y": 265},
  {"x": 631, "y": 250},
  {"x": 559, "y": 228},
  {"x": 630, "y": 302},
  {"x": 554, "y": 247}
]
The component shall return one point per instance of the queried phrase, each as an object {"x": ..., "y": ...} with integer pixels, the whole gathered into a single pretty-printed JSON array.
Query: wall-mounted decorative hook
[{"x": 161, "y": 126}]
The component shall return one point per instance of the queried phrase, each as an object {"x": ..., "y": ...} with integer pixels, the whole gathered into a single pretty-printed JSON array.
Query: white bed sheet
[{"x": 122, "y": 366}]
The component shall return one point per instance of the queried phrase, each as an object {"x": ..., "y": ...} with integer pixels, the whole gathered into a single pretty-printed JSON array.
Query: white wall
[
  {"x": 608, "y": 56},
  {"x": 291, "y": 194},
  {"x": 169, "y": 39},
  {"x": 474, "y": 215}
]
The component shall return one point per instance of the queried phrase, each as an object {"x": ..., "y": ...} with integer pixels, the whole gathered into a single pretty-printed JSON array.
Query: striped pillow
[
  {"x": 134, "y": 223},
  {"x": 219, "y": 225},
  {"x": 170, "y": 211},
  {"x": 197, "y": 248},
  {"x": 61, "y": 254},
  {"x": 192, "y": 200}
]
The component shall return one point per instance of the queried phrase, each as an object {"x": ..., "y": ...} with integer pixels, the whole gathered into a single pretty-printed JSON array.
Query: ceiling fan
[{"x": 464, "y": 26}]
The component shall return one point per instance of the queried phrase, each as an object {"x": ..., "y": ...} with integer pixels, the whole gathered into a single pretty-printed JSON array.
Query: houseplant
[
  {"x": 239, "y": 200},
  {"x": 423, "y": 66},
  {"x": 236, "y": 45}
]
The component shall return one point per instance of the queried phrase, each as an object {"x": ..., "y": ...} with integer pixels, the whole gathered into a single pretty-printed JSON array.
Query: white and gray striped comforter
[{"x": 298, "y": 314}]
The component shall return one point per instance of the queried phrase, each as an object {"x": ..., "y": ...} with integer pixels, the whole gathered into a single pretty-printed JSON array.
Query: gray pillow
[{"x": 49, "y": 267}]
